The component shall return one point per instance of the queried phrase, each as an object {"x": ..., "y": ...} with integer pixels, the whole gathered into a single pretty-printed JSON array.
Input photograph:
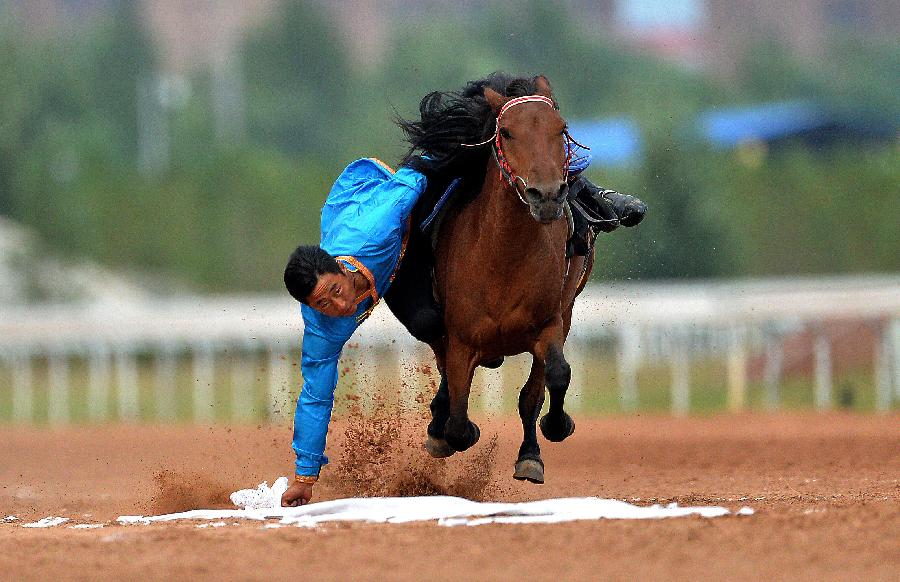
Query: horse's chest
[
  {"x": 492, "y": 316},
  {"x": 497, "y": 292}
]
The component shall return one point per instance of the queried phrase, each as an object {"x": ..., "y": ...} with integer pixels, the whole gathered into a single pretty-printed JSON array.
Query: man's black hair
[{"x": 303, "y": 270}]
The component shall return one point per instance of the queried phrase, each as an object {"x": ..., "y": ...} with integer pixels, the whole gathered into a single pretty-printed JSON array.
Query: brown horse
[{"x": 504, "y": 281}]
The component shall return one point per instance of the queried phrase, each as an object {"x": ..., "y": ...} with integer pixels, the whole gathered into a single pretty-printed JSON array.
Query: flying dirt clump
[
  {"x": 182, "y": 491},
  {"x": 382, "y": 456}
]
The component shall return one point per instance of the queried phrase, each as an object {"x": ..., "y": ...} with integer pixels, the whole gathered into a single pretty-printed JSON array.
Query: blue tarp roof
[
  {"x": 726, "y": 128},
  {"x": 617, "y": 141},
  {"x": 614, "y": 141}
]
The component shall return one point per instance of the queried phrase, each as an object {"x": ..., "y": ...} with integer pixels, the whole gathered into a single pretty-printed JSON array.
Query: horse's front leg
[
  {"x": 529, "y": 465},
  {"x": 460, "y": 432},
  {"x": 436, "y": 445},
  {"x": 556, "y": 425}
]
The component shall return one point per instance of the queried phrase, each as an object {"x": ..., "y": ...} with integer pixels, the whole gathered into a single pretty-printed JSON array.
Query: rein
[{"x": 506, "y": 170}]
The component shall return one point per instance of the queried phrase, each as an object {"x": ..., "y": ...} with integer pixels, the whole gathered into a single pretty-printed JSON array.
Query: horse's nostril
[
  {"x": 536, "y": 195},
  {"x": 533, "y": 194}
]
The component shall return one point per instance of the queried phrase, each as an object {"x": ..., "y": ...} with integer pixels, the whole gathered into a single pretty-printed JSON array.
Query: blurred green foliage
[{"x": 223, "y": 214}]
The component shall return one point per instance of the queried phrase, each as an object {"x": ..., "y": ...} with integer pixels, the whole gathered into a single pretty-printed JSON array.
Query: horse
[{"x": 501, "y": 274}]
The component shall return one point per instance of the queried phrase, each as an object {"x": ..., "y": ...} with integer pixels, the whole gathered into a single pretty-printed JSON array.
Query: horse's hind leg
[
  {"x": 557, "y": 425},
  {"x": 436, "y": 445},
  {"x": 529, "y": 465}
]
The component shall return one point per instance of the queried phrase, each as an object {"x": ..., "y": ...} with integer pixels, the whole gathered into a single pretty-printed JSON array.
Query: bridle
[{"x": 506, "y": 170}]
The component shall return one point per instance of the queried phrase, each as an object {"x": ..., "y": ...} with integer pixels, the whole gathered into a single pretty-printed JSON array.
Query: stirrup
[{"x": 593, "y": 217}]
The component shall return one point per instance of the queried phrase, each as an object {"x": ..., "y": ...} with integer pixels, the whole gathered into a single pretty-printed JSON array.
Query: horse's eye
[{"x": 504, "y": 133}]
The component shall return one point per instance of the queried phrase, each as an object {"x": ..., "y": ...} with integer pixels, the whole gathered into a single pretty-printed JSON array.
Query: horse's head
[{"x": 530, "y": 144}]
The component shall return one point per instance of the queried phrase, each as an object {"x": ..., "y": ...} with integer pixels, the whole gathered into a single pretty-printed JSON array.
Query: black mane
[{"x": 450, "y": 119}]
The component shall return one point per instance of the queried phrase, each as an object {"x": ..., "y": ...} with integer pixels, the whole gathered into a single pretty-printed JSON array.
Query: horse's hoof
[
  {"x": 468, "y": 438},
  {"x": 437, "y": 448},
  {"x": 529, "y": 470},
  {"x": 556, "y": 429}
]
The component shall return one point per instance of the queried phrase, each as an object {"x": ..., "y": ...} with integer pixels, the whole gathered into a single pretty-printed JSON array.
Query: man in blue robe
[{"x": 365, "y": 227}]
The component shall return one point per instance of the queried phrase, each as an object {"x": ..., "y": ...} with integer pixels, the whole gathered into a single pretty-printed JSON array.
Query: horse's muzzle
[
  {"x": 546, "y": 205},
  {"x": 547, "y": 212}
]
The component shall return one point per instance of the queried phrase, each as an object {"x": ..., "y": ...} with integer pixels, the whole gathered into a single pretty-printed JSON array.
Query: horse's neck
[
  {"x": 503, "y": 239},
  {"x": 498, "y": 237}
]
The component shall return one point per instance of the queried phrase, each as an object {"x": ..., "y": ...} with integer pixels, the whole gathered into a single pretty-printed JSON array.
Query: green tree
[
  {"x": 683, "y": 235},
  {"x": 122, "y": 63},
  {"x": 298, "y": 81},
  {"x": 800, "y": 212},
  {"x": 855, "y": 74}
]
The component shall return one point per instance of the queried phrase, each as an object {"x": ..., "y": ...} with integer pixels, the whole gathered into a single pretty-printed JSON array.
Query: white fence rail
[{"x": 246, "y": 341}]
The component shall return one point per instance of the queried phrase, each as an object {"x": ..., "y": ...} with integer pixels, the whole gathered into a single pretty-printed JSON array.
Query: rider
[{"x": 365, "y": 226}]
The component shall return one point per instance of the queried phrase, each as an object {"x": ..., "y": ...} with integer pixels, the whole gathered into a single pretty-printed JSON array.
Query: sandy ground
[{"x": 826, "y": 490}]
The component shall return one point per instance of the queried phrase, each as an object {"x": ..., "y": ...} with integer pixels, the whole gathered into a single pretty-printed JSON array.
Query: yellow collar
[{"x": 372, "y": 292}]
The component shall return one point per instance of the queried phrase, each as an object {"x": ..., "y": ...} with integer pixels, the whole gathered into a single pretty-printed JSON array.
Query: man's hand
[{"x": 297, "y": 494}]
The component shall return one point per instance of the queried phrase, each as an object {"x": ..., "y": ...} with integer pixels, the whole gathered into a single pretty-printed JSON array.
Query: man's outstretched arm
[{"x": 313, "y": 413}]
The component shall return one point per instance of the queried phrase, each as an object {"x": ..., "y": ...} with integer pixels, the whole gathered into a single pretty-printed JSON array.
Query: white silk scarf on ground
[{"x": 262, "y": 504}]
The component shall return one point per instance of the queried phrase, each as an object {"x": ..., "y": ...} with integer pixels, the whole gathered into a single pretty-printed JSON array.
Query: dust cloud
[
  {"x": 382, "y": 454},
  {"x": 177, "y": 491}
]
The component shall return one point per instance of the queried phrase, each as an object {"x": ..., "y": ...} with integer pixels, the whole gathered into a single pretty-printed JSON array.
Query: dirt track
[{"x": 826, "y": 490}]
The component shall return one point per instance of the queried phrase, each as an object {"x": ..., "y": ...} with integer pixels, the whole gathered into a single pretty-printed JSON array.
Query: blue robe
[{"x": 365, "y": 217}]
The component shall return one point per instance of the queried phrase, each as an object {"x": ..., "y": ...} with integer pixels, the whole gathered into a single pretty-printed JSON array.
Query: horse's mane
[{"x": 448, "y": 119}]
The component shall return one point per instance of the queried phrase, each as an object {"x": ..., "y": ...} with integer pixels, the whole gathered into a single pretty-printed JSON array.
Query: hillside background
[{"x": 197, "y": 146}]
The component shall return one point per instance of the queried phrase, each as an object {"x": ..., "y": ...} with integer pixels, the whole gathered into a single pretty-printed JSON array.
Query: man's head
[{"x": 315, "y": 278}]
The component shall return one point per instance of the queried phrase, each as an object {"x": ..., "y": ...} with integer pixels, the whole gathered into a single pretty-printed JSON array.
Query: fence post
[
  {"x": 883, "y": 392},
  {"x": 681, "y": 376},
  {"x": 58, "y": 387},
  {"x": 408, "y": 361},
  {"x": 99, "y": 378},
  {"x": 128, "y": 385},
  {"x": 578, "y": 360},
  {"x": 894, "y": 335},
  {"x": 490, "y": 383},
  {"x": 365, "y": 369},
  {"x": 514, "y": 373},
  {"x": 822, "y": 349},
  {"x": 737, "y": 370},
  {"x": 772, "y": 372},
  {"x": 204, "y": 375},
  {"x": 22, "y": 387},
  {"x": 627, "y": 357},
  {"x": 279, "y": 381},
  {"x": 243, "y": 384},
  {"x": 166, "y": 371}
]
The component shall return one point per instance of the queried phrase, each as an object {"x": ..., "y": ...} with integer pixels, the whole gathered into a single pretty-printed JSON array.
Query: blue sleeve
[
  {"x": 367, "y": 209},
  {"x": 410, "y": 184},
  {"x": 320, "y": 375},
  {"x": 385, "y": 222}
]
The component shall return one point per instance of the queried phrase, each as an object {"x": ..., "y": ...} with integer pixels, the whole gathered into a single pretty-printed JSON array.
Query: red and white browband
[
  {"x": 506, "y": 170},
  {"x": 525, "y": 99},
  {"x": 507, "y": 105}
]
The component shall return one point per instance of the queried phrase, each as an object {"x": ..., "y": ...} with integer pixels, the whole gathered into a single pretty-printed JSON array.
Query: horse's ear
[
  {"x": 494, "y": 99},
  {"x": 543, "y": 86}
]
